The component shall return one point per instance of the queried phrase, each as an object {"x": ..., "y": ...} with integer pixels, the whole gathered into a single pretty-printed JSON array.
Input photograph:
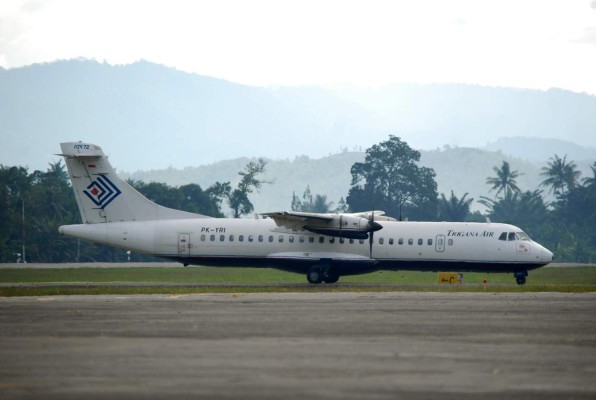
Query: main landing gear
[
  {"x": 321, "y": 273},
  {"x": 520, "y": 277}
]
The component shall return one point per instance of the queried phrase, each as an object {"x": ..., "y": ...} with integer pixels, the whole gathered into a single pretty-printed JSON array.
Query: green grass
[
  {"x": 151, "y": 274},
  {"x": 247, "y": 280}
]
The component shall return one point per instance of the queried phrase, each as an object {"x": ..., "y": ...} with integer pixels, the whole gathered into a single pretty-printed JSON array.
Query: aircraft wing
[
  {"x": 338, "y": 225},
  {"x": 296, "y": 221}
]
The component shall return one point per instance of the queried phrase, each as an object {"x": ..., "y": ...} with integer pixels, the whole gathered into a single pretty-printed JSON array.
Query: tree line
[
  {"x": 33, "y": 205},
  {"x": 391, "y": 179}
]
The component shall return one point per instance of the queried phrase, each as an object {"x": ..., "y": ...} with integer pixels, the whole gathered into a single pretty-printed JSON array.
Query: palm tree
[
  {"x": 592, "y": 180},
  {"x": 505, "y": 181},
  {"x": 560, "y": 175},
  {"x": 454, "y": 209},
  {"x": 523, "y": 209}
]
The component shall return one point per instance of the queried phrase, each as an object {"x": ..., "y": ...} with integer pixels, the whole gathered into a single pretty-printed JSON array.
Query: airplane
[{"x": 324, "y": 247}]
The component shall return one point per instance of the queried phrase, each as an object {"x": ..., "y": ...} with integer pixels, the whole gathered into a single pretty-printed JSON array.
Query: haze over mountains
[
  {"x": 148, "y": 116},
  {"x": 160, "y": 124}
]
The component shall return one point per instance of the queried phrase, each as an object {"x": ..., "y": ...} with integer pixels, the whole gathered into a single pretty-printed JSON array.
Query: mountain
[
  {"x": 472, "y": 116},
  {"x": 147, "y": 116},
  {"x": 538, "y": 150}
]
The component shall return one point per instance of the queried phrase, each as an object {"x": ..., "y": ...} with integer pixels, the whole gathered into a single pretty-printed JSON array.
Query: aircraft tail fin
[{"x": 102, "y": 196}]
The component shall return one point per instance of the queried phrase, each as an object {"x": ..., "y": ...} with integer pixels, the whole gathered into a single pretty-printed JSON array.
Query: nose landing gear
[{"x": 520, "y": 277}]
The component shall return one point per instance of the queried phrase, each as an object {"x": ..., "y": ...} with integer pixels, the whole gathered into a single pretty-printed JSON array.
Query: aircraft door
[
  {"x": 184, "y": 244},
  {"x": 440, "y": 243}
]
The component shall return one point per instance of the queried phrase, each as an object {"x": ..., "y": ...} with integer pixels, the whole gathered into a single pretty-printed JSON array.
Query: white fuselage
[{"x": 436, "y": 246}]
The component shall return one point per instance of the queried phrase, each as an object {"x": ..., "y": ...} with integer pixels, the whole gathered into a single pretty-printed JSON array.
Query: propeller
[
  {"x": 372, "y": 228},
  {"x": 371, "y": 234},
  {"x": 372, "y": 225}
]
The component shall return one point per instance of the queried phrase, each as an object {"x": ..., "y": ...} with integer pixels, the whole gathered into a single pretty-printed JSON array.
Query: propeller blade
[{"x": 372, "y": 233}]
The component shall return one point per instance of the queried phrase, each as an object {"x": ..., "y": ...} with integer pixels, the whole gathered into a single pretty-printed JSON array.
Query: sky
[{"x": 520, "y": 43}]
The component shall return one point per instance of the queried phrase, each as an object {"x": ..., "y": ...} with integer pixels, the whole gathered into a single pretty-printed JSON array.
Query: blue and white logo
[{"x": 102, "y": 191}]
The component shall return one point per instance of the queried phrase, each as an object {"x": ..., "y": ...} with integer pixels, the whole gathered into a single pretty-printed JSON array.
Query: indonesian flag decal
[{"x": 102, "y": 191}]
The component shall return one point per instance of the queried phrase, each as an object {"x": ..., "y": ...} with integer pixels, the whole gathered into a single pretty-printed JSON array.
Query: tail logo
[{"x": 102, "y": 191}]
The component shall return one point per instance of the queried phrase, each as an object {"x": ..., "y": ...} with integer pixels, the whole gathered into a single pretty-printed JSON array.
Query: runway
[{"x": 300, "y": 346}]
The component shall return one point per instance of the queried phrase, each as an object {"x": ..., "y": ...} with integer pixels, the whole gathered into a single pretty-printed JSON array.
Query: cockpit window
[
  {"x": 511, "y": 236},
  {"x": 522, "y": 236}
]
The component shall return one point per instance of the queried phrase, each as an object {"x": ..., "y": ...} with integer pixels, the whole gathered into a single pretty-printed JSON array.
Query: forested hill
[
  {"x": 150, "y": 116},
  {"x": 463, "y": 170}
]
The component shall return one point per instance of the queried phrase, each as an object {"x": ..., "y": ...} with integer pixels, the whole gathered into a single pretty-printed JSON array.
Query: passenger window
[
  {"x": 450, "y": 242},
  {"x": 391, "y": 241},
  {"x": 332, "y": 240},
  {"x": 430, "y": 242},
  {"x": 280, "y": 239},
  {"x": 420, "y": 241},
  {"x": 251, "y": 238},
  {"x": 503, "y": 236},
  {"x": 202, "y": 238},
  {"x": 351, "y": 241},
  {"x": 231, "y": 238},
  {"x": 222, "y": 238},
  {"x": 511, "y": 236},
  {"x": 291, "y": 239},
  {"x": 321, "y": 239},
  {"x": 311, "y": 239},
  {"x": 410, "y": 241},
  {"x": 381, "y": 240},
  {"x": 400, "y": 241},
  {"x": 241, "y": 238},
  {"x": 270, "y": 239},
  {"x": 212, "y": 238},
  {"x": 260, "y": 238},
  {"x": 301, "y": 239},
  {"x": 342, "y": 240}
]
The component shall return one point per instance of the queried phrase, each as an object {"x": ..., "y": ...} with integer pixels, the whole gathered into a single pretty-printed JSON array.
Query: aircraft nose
[{"x": 547, "y": 255}]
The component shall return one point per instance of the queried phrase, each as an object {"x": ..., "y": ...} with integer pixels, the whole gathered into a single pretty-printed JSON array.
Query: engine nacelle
[{"x": 346, "y": 226}]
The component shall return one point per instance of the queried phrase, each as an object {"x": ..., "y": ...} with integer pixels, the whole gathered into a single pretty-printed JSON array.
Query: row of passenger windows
[{"x": 311, "y": 239}]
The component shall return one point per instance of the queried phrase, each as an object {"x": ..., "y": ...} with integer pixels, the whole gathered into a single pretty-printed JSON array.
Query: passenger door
[
  {"x": 184, "y": 244},
  {"x": 440, "y": 243}
]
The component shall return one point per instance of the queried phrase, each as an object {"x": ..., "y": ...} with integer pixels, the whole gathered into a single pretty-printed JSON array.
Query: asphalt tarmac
[{"x": 300, "y": 346}]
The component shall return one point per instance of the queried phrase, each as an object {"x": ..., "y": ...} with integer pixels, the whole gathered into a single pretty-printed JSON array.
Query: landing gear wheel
[
  {"x": 315, "y": 275},
  {"x": 521, "y": 280},
  {"x": 520, "y": 277},
  {"x": 332, "y": 278}
]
